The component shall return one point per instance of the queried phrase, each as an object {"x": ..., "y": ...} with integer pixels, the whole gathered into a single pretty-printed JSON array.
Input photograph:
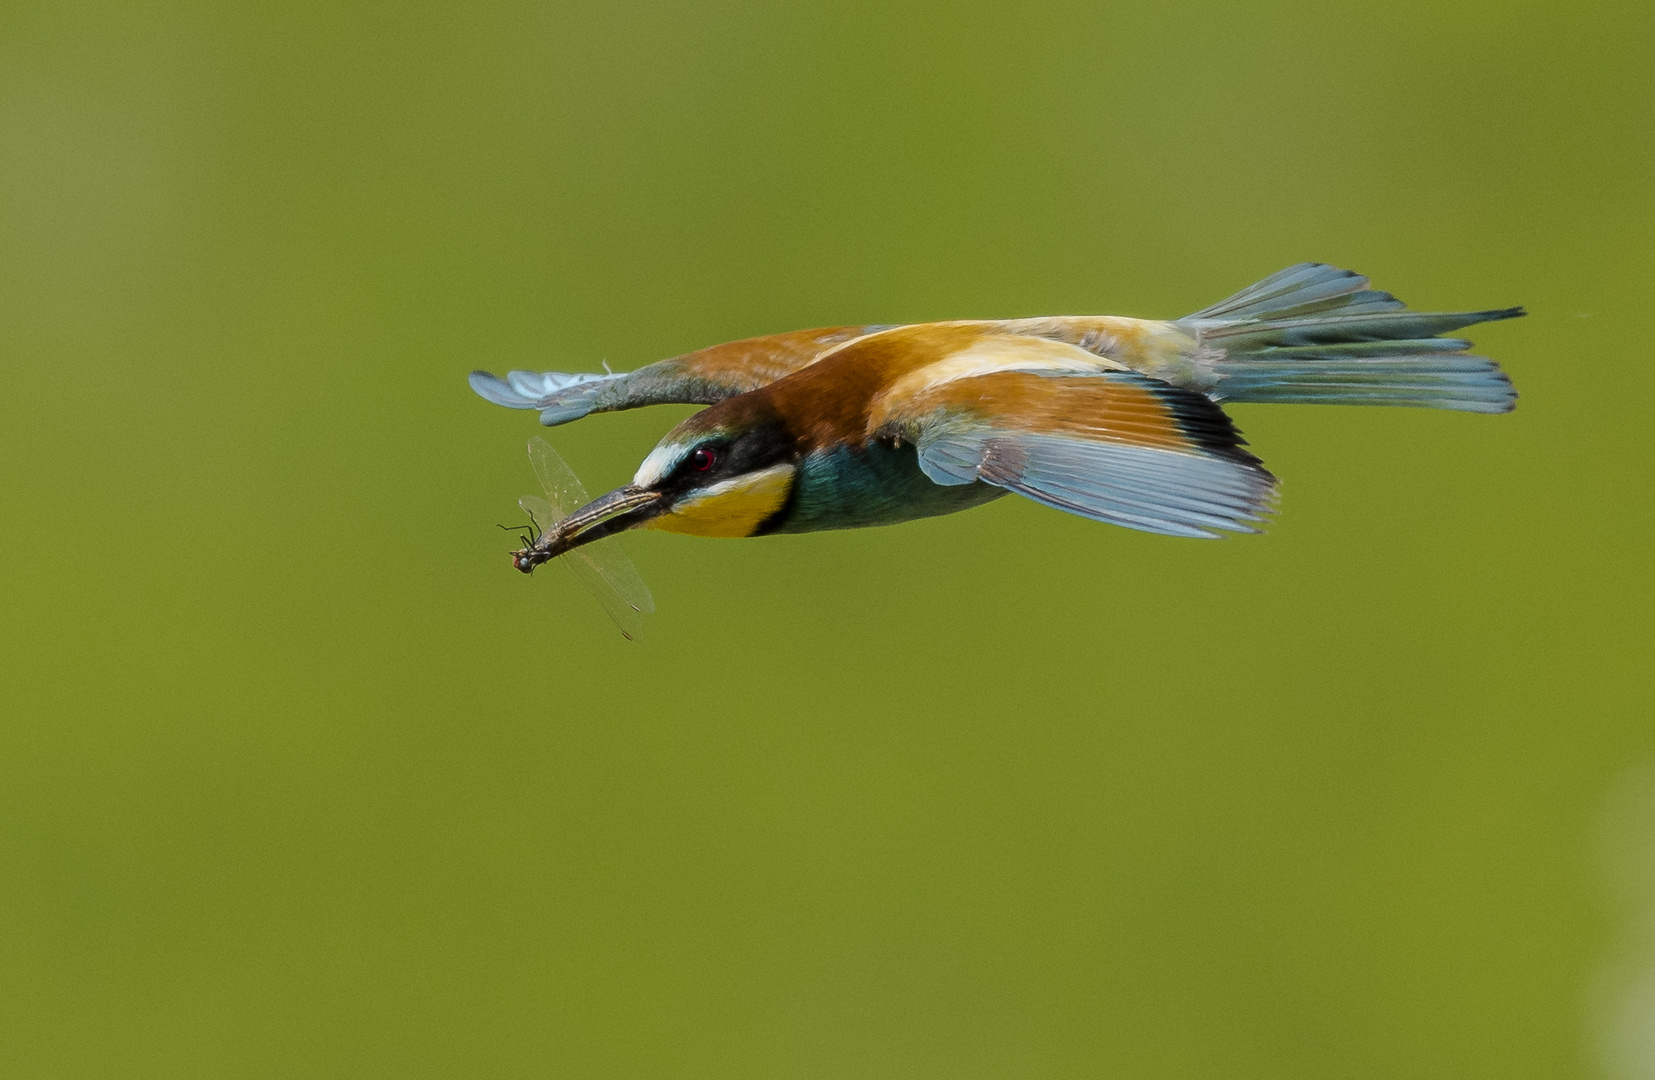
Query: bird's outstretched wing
[
  {"x": 697, "y": 378},
  {"x": 1111, "y": 445}
]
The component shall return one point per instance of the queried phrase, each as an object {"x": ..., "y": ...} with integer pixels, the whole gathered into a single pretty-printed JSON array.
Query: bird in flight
[{"x": 1112, "y": 418}]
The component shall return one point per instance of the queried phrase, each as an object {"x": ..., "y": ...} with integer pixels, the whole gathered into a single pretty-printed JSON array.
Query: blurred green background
[{"x": 298, "y": 778}]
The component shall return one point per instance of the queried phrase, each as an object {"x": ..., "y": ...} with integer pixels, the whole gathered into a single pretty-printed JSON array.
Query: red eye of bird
[{"x": 702, "y": 460}]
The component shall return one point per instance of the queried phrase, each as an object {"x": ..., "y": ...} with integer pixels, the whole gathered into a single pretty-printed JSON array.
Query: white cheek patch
[{"x": 661, "y": 460}]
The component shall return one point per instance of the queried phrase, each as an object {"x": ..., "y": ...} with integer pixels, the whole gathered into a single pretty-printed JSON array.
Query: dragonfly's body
[
  {"x": 602, "y": 566},
  {"x": 1109, "y": 417}
]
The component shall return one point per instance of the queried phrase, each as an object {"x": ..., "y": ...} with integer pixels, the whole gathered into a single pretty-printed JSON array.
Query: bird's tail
[{"x": 1315, "y": 333}]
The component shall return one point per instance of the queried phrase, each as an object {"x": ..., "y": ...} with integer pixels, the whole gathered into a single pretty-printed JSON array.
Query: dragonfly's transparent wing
[
  {"x": 604, "y": 568},
  {"x": 562, "y": 487},
  {"x": 603, "y": 565}
]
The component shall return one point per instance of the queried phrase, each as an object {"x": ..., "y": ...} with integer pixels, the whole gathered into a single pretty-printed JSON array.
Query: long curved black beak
[{"x": 621, "y": 509}]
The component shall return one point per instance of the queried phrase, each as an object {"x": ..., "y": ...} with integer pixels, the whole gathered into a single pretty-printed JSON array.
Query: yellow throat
[{"x": 734, "y": 507}]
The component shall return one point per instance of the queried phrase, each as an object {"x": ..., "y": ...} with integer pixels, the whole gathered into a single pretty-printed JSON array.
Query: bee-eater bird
[{"x": 1112, "y": 418}]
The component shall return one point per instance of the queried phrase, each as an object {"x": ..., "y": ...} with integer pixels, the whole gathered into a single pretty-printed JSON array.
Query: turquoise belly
[{"x": 875, "y": 485}]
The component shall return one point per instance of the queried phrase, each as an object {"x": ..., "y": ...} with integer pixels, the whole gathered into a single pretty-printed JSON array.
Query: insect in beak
[{"x": 595, "y": 557}]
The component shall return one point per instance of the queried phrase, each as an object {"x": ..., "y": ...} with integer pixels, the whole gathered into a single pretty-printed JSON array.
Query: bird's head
[{"x": 726, "y": 471}]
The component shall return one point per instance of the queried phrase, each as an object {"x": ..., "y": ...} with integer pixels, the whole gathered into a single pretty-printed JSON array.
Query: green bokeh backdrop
[{"x": 297, "y": 778}]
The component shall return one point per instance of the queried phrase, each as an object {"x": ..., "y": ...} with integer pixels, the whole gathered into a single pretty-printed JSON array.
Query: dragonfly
[{"x": 601, "y": 565}]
